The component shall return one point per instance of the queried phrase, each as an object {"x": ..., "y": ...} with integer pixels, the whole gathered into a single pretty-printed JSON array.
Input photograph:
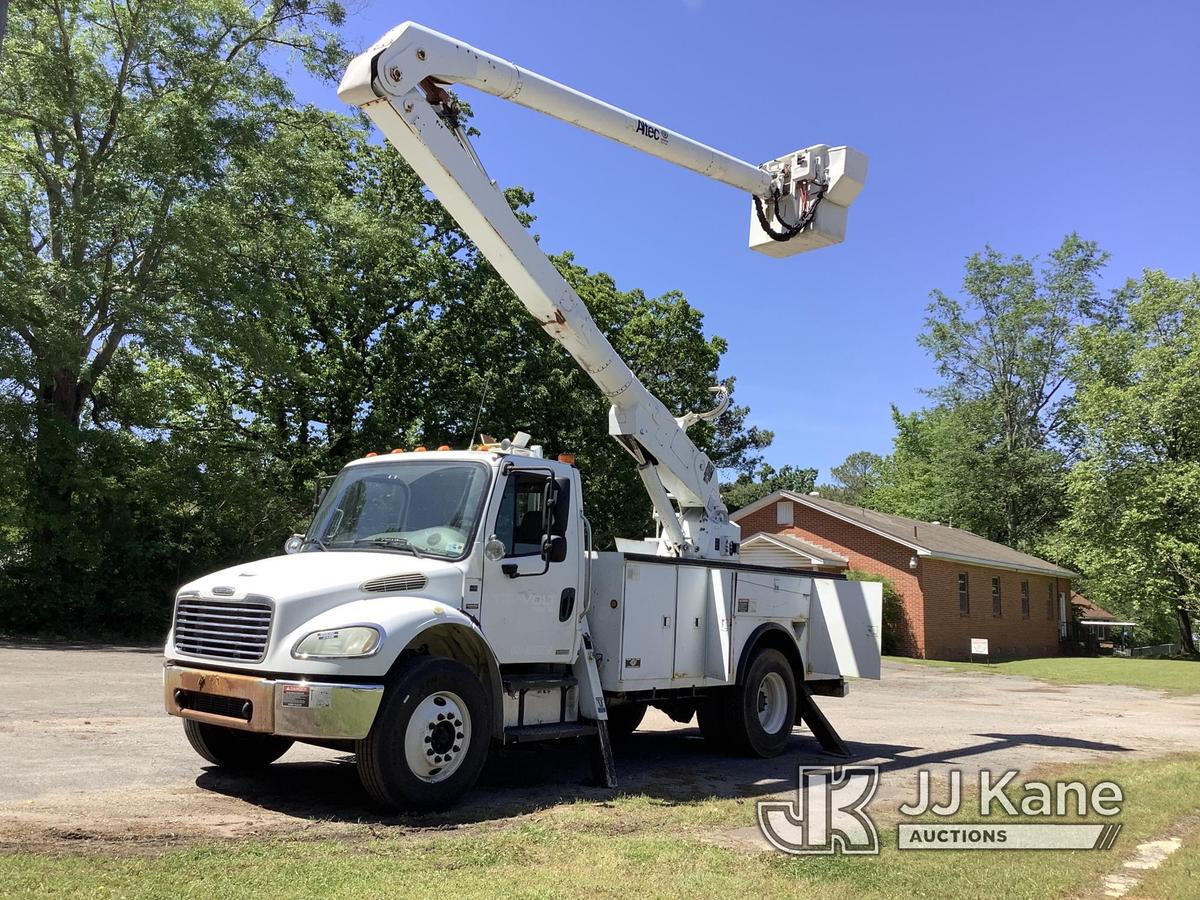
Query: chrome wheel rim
[
  {"x": 438, "y": 736},
  {"x": 772, "y": 703}
]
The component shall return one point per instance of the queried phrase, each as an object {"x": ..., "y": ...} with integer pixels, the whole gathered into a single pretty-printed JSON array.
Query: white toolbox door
[
  {"x": 844, "y": 629},
  {"x": 648, "y": 626}
]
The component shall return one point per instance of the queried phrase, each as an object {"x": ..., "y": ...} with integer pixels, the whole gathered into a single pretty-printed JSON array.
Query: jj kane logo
[{"x": 829, "y": 814}]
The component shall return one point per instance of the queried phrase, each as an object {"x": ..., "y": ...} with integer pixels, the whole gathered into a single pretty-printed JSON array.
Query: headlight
[{"x": 357, "y": 640}]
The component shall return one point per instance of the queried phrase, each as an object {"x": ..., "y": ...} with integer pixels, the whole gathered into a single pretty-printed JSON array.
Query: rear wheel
[
  {"x": 624, "y": 719},
  {"x": 430, "y": 738},
  {"x": 710, "y": 716},
  {"x": 754, "y": 717},
  {"x": 231, "y": 748}
]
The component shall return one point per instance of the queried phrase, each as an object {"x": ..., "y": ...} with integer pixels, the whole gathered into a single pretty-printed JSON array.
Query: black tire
[
  {"x": 624, "y": 719},
  {"x": 729, "y": 718},
  {"x": 383, "y": 765},
  {"x": 744, "y": 727},
  {"x": 233, "y": 749},
  {"x": 712, "y": 719}
]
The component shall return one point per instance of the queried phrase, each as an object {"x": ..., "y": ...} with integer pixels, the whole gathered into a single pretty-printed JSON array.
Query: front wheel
[
  {"x": 231, "y": 748},
  {"x": 430, "y": 738}
]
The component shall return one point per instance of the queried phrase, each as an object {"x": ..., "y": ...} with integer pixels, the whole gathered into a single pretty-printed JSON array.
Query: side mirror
[
  {"x": 293, "y": 544},
  {"x": 554, "y": 548},
  {"x": 560, "y": 512}
]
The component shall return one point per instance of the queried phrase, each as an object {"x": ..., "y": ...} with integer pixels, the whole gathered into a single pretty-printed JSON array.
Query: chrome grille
[
  {"x": 221, "y": 629},
  {"x": 412, "y": 582}
]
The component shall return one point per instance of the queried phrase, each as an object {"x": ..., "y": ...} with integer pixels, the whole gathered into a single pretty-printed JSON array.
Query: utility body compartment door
[
  {"x": 648, "y": 624},
  {"x": 845, "y": 629}
]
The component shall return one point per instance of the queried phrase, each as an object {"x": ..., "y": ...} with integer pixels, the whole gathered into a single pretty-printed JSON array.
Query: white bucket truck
[{"x": 443, "y": 602}]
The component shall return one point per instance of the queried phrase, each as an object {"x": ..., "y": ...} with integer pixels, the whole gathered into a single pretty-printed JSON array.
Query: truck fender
[
  {"x": 458, "y": 637},
  {"x": 412, "y": 625},
  {"x": 775, "y": 636}
]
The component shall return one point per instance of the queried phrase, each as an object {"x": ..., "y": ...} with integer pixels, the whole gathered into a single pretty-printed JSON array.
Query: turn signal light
[
  {"x": 444, "y": 447},
  {"x": 418, "y": 449},
  {"x": 371, "y": 453},
  {"x": 568, "y": 458},
  {"x": 398, "y": 450}
]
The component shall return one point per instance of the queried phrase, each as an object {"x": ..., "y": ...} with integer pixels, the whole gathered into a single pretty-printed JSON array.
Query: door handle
[{"x": 566, "y": 603}]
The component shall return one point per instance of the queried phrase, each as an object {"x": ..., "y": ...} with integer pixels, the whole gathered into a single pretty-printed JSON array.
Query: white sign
[{"x": 979, "y": 646}]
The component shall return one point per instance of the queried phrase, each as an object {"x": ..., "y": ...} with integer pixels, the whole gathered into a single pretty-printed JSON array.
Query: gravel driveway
[{"x": 89, "y": 756}]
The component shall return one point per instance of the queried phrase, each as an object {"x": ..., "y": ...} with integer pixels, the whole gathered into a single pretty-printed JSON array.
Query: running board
[
  {"x": 808, "y": 711},
  {"x": 551, "y": 731}
]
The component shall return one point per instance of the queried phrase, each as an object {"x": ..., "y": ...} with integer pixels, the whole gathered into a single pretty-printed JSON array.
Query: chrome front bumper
[{"x": 299, "y": 709}]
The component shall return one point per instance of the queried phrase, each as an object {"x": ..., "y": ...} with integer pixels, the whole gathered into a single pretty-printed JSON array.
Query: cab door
[{"x": 530, "y": 606}]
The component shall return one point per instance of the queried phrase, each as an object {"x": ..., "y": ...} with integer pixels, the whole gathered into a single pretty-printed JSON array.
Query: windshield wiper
[
  {"x": 313, "y": 540},
  {"x": 397, "y": 543}
]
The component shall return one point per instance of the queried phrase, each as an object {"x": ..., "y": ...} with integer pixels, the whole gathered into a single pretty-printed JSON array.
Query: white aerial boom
[{"x": 799, "y": 203}]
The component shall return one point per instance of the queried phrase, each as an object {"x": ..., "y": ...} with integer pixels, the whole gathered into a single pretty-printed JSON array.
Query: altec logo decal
[{"x": 652, "y": 131}]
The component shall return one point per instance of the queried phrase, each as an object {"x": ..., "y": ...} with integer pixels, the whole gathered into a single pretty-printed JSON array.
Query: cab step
[
  {"x": 514, "y": 684},
  {"x": 552, "y": 731}
]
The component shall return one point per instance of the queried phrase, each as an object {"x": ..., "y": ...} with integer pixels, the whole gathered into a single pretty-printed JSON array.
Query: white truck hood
[
  {"x": 313, "y": 590},
  {"x": 282, "y": 578}
]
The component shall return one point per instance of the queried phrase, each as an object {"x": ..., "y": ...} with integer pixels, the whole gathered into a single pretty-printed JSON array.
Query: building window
[
  {"x": 964, "y": 595},
  {"x": 1024, "y": 599},
  {"x": 783, "y": 512},
  {"x": 995, "y": 596},
  {"x": 1050, "y": 601}
]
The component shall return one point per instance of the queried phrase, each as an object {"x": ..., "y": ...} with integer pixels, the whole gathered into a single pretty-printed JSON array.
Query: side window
[
  {"x": 783, "y": 513},
  {"x": 964, "y": 595},
  {"x": 1025, "y": 599},
  {"x": 995, "y": 596},
  {"x": 519, "y": 520}
]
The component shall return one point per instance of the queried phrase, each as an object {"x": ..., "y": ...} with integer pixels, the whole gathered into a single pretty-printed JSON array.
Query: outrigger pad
[{"x": 810, "y": 713}]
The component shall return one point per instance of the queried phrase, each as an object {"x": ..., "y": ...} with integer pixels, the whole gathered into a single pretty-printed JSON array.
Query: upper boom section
[
  {"x": 410, "y": 53},
  {"x": 797, "y": 199}
]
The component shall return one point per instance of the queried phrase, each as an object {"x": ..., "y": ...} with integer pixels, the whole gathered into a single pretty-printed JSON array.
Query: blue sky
[{"x": 1004, "y": 123}]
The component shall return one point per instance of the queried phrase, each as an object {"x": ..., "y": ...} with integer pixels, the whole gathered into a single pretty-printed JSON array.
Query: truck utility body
[{"x": 442, "y": 602}]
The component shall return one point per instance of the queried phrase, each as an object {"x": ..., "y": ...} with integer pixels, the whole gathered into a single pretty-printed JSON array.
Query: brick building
[{"x": 954, "y": 585}]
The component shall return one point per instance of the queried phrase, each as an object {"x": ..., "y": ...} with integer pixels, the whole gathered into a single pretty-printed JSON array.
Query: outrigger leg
[{"x": 823, "y": 731}]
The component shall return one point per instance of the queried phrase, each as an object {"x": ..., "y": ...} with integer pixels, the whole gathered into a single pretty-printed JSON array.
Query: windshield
[{"x": 415, "y": 507}]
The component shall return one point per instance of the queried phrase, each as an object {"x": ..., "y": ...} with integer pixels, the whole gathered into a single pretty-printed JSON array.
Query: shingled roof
[{"x": 926, "y": 538}]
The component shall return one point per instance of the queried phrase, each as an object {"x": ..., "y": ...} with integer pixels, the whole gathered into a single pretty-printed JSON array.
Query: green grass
[
  {"x": 1178, "y": 876},
  {"x": 1175, "y": 676},
  {"x": 630, "y": 847}
]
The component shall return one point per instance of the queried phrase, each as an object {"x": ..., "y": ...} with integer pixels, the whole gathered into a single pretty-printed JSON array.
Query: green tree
[
  {"x": 991, "y": 454},
  {"x": 752, "y": 485},
  {"x": 210, "y": 296},
  {"x": 119, "y": 120},
  {"x": 488, "y": 344},
  {"x": 854, "y": 479},
  {"x": 948, "y": 465},
  {"x": 1134, "y": 525}
]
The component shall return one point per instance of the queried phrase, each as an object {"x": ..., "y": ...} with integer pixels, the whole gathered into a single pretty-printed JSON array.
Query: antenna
[{"x": 479, "y": 414}]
